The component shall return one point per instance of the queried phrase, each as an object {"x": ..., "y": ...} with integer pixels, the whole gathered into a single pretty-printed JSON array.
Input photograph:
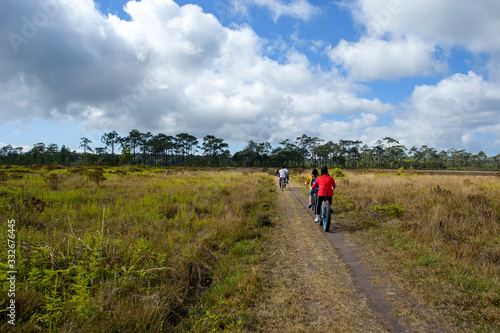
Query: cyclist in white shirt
[{"x": 283, "y": 172}]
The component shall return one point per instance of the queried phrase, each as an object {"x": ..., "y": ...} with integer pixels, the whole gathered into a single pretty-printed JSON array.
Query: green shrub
[
  {"x": 53, "y": 179},
  {"x": 96, "y": 176},
  {"x": 337, "y": 173},
  {"x": 392, "y": 210}
]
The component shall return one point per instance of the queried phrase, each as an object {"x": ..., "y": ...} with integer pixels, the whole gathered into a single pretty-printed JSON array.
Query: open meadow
[
  {"x": 144, "y": 249},
  {"x": 437, "y": 234},
  {"x": 132, "y": 249}
]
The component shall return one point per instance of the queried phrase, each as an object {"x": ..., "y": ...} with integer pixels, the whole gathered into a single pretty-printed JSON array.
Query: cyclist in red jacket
[{"x": 326, "y": 185}]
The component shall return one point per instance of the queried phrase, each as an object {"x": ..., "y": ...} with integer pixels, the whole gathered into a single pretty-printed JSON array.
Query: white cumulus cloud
[
  {"x": 376, "y": 59},
  {"x": 471, "y": 25},
  {"x": 460, "y": 111},
  {"x": 298, "y": 9},
  {"x": 168, "y": 69}
]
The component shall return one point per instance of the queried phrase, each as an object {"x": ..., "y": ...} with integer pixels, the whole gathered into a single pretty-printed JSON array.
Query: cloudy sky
[{"x": 423, "y": 72}]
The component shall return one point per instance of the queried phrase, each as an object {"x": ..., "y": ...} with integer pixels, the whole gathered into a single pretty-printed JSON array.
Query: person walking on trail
[
  {"x": 310, "y": 180},
  {"x": 326, "y": 185}
]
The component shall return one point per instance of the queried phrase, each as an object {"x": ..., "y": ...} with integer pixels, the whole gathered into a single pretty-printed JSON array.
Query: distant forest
[{"x": 186, "y": 149}]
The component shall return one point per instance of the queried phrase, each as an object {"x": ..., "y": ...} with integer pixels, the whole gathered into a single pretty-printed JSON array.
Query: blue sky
[{"x": 262, "y": 70}]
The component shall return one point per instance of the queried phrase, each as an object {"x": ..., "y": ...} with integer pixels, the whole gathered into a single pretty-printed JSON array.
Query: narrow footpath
[{"x": 321, "y": 282}]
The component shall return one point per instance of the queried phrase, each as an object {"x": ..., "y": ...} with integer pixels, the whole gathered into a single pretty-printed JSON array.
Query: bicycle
[
  {"x": 282, "y": 184},
  {"x": 325, "y": 215},
  {"x": 314, "y": 200}
]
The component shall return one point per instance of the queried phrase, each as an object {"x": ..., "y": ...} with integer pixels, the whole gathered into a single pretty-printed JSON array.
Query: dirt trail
[{"x": 320, "y": 282}]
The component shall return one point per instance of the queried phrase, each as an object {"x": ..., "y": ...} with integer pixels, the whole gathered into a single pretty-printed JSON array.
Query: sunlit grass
[
  {"x": 146, "y": 249},
  {"x": 440, "y": 234}
]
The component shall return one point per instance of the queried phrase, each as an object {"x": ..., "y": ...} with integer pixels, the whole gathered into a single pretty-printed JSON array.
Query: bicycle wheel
[
  {"x": 314, "y": 200},
  {"x": 320, "y": 215},
  {"x": 282, "y": 184},
  {"x": 326, "y": 217}
]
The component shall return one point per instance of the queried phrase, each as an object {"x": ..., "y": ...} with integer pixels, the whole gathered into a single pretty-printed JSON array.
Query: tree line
[{"x": 185, "y": 149}]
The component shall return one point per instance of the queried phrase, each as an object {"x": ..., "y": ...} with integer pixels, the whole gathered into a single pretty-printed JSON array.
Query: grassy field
[
  {"x": 438, "y": 234},
  {"x": 133, "y": 249},
  {"x": 175, "y": 250}
]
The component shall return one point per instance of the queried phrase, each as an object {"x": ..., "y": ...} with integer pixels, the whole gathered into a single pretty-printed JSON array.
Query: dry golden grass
[
  {"x": 438, "y": 234},
  {"x": 458, "y": 215}
]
